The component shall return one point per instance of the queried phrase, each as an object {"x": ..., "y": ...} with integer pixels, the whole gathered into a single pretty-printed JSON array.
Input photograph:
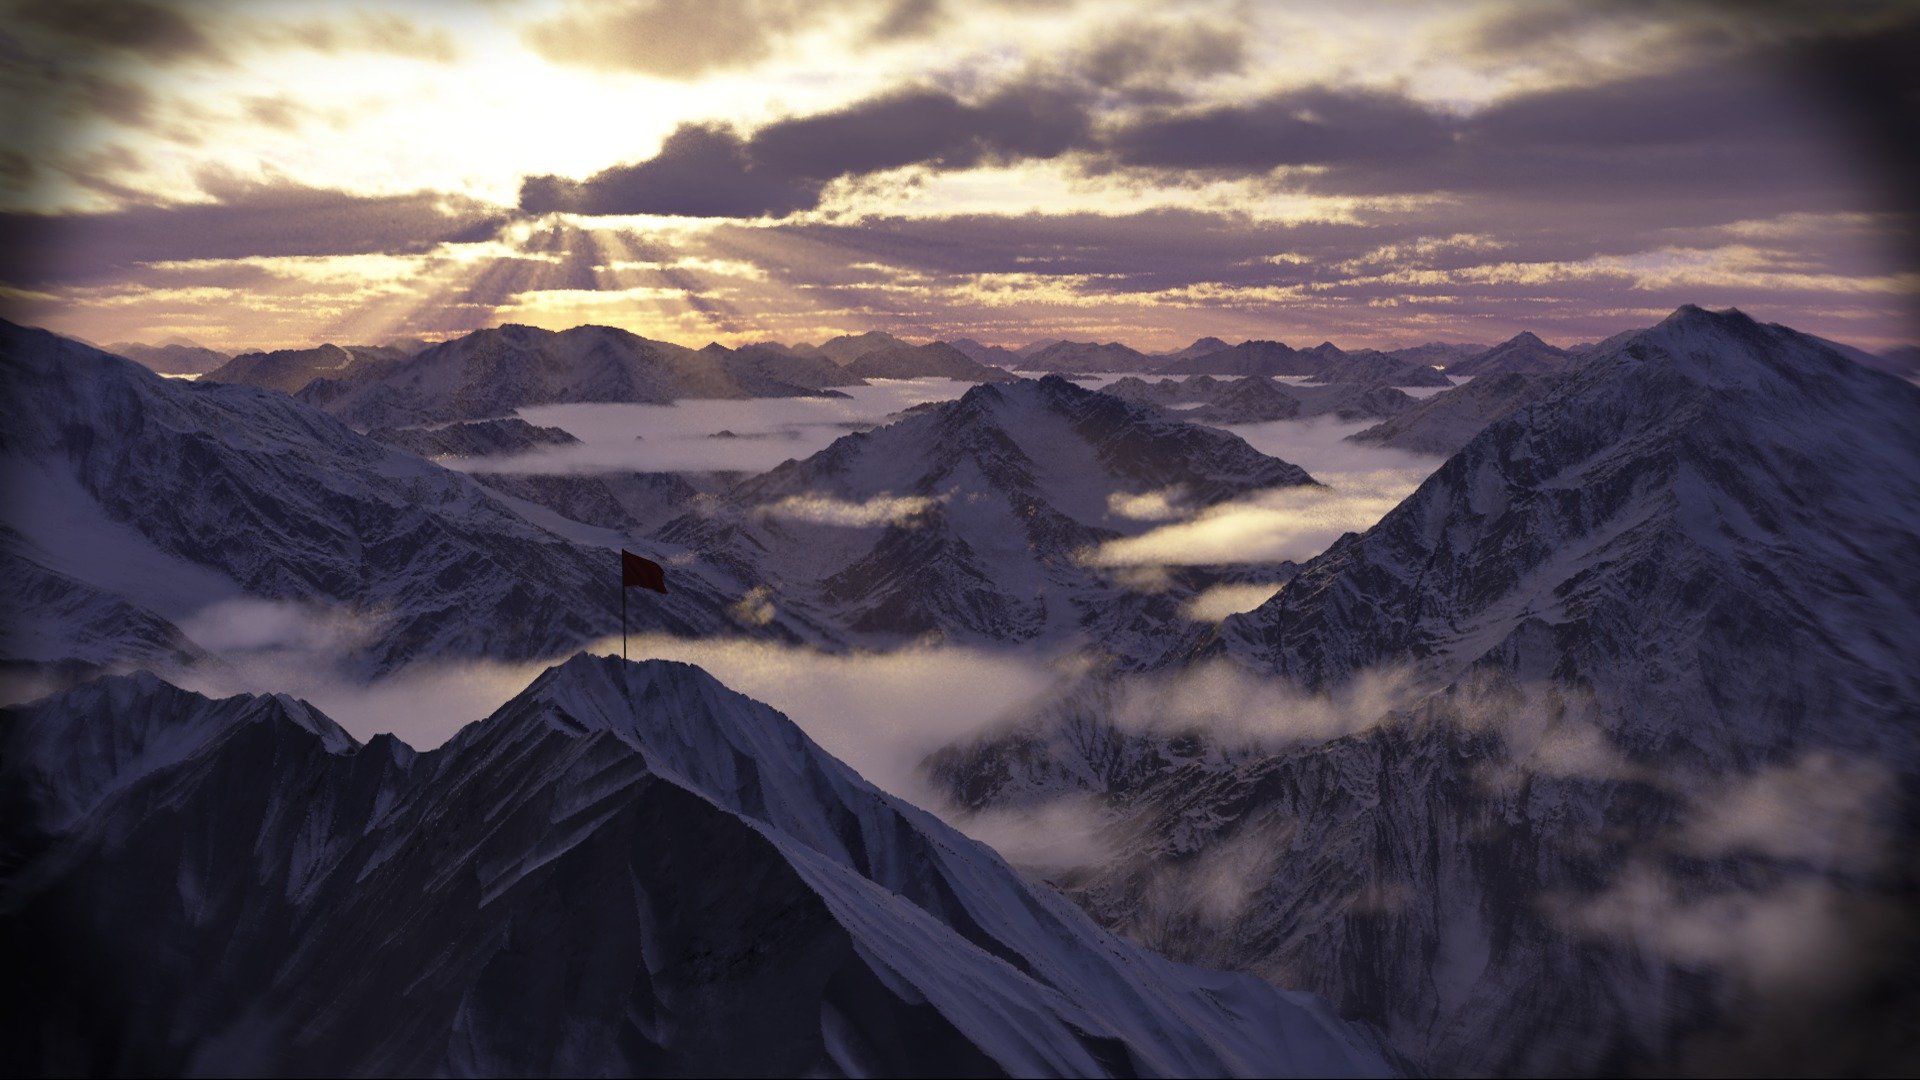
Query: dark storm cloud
[
  {"x": 711, "y": 171},
  {"x": 701, "y": 171},
  {"x": 247, "y": 220},
  {"x": 1310, "y": 127},
  {"x": 159, "y": 32}
]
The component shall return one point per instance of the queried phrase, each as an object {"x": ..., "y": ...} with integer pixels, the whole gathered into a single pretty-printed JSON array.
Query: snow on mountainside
[
  {"x": 970, "y": 518},
  {"x": 1447, "y": 421},
  {"x": 628, "y": 869},
  {"x": 1522, "y": 353},
  {"x": 1643, "y": 778},
  {"x": 629, "y": 502},
  {"x": 172, "y": 496},
  {"x": 490, "y": 373},
  {"x": 1663, "y": 481}
]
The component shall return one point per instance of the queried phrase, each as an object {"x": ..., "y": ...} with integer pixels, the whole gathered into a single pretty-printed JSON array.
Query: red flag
[{"x": 644, "y": 573}]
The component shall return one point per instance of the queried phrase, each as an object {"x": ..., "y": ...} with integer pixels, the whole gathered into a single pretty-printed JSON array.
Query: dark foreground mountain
[
  {"x": 1600, "y": 750},
  {"x": 974, "y": 519},
  {"x": 627, "y": 870},
  {"x": 1447, "y": 421},
  {"x": 161, "y": 497}
]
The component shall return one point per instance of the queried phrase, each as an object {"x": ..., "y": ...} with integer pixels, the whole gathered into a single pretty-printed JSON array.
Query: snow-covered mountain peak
[{"x": 1654, "y": 503}]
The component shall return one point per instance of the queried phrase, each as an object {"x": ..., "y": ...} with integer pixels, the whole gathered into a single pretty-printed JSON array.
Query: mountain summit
[{"x": 628, "y": 869}]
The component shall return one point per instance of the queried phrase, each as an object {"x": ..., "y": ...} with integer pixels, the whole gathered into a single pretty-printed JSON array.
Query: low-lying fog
[{"x": 685, "y": 436}]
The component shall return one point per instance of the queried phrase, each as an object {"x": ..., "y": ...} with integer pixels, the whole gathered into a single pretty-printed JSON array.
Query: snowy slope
[
  {"x": 627, "y": 869},
  {"x": 170, "y": 496},
  {"x": 969, "y": 519},
  {"x": 1647, "y": 784},
  {"x": 1648, "y": 521},
  {"x": 1447, "y": 421}
]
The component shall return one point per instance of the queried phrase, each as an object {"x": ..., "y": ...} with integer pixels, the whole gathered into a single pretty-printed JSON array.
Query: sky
[{"x": 1372, "y": 172}]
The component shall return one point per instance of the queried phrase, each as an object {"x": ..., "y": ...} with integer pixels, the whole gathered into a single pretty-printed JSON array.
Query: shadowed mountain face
[
  {"x": 1256, "y": 399},
  {"x": 973, "y": 518},
  {"x": 1649, "y": 766},
  {"x": 287, "y": 370},
  {"x": 474, "y": 438},
  {"x": 1447, "y": 421},
  {"x": 934, "y": 360},
  {"x": 628, "y": 869},
  {"x": 157, "y": 498},
  {"x": 995, "y": 355},
  {"x": 1086, "y": 358}
]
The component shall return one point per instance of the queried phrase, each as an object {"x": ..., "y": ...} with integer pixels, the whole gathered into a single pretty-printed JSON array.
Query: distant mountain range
[
  {"x": 171, "y": 358},
  {"x": 1085, "y": 358},
  {"x": 1324, "y": 362},
  {"x": 1256, "y": 399}
]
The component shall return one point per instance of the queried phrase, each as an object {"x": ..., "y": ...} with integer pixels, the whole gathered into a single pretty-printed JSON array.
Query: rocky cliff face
[
  {"x": 1644, "y": 778},
  {"x": 972, "y": 519},
  {"x": 158, "y": 498},
  {"x": 626, "y": 869}
]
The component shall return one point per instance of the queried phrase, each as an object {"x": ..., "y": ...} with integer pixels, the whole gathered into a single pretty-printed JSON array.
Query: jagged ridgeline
[
  {"x": 1651, "y": 801},
  {"x": 627, "y": 870},
  {"x": 1595, "y": 755}
]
